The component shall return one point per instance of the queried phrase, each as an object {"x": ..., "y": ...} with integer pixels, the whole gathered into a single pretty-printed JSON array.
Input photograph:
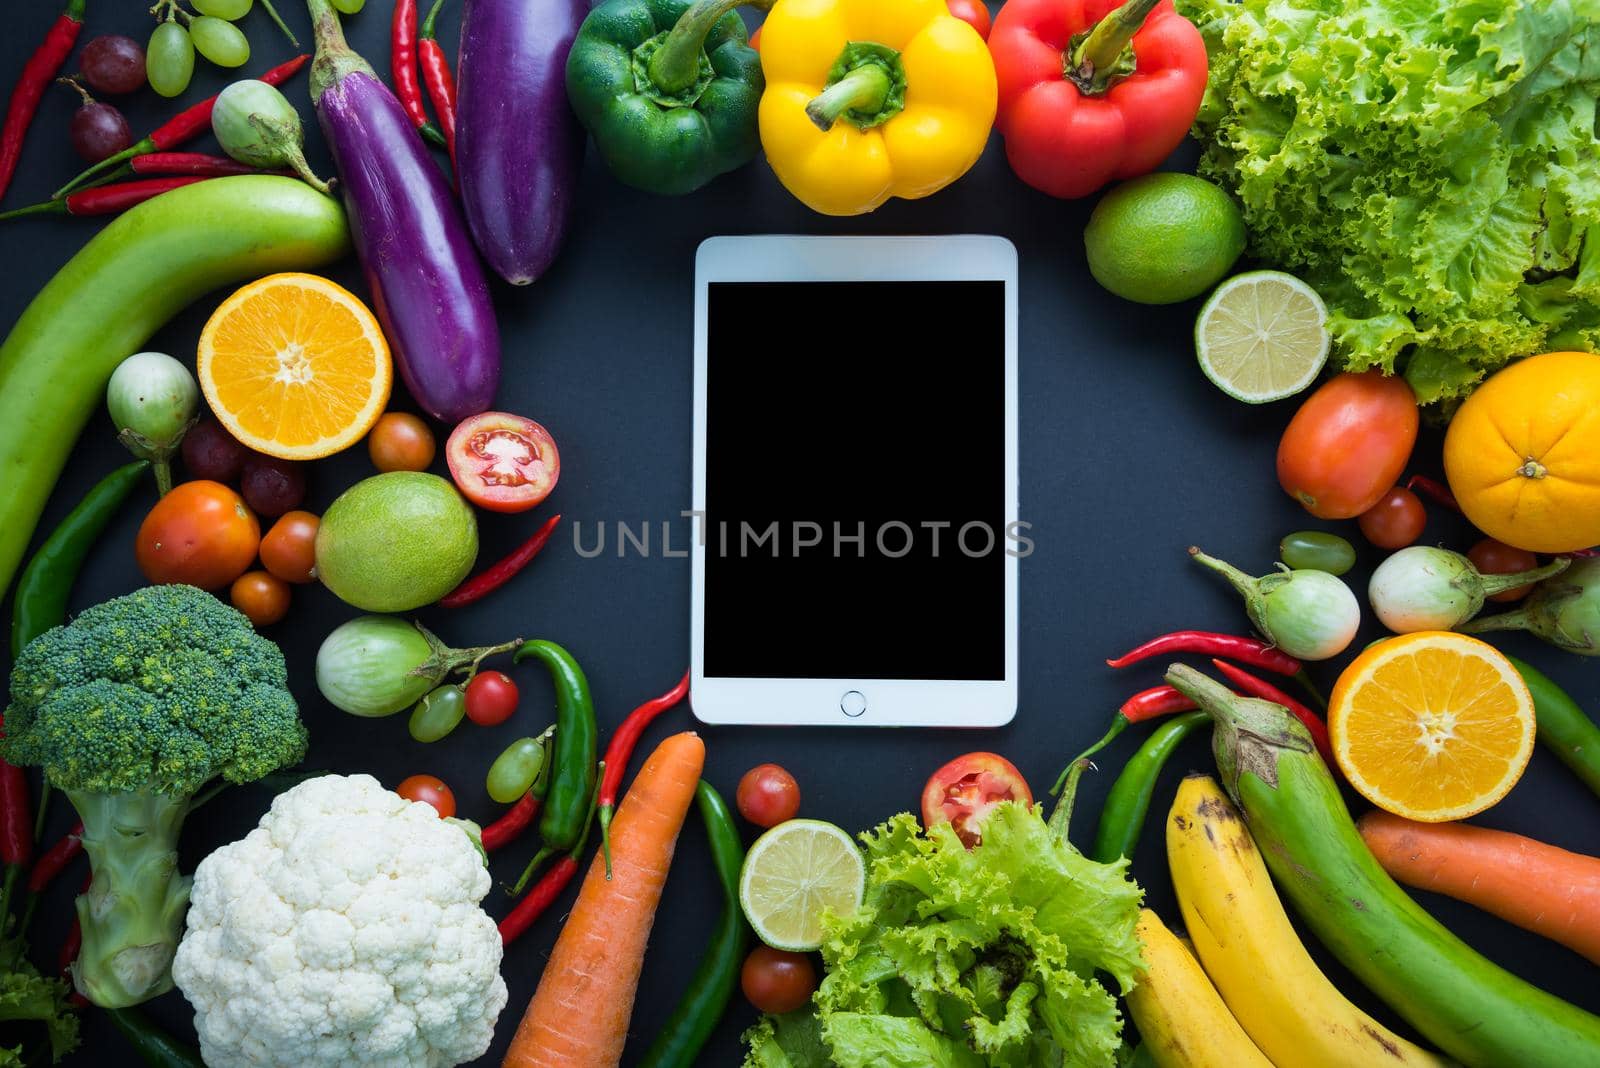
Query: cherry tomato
[
  {"x": 1348, "y": 444},
  {"x": 1395, "y": 521},
  {"x": 1497, "y": 558},
  {"x": 503, "y": 462},
  {"x": 263, "y": 598},
  {"x": 491, "y": 698},
  {"x": 437, "y": 714},
  {"x": 974, "y": 13},
  {"x": 777, "y": 981},
  {"x": 289, "y": 549},
  {"x": 200, "y": 533},
  {"x": 400, "y": 441},
  {"x": 768, "y": 795},
  {"x": 966, "y": 790},
  {"x": 430, "y": 791}
]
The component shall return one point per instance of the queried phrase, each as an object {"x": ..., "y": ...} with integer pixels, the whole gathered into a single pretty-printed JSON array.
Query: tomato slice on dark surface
[
  {"x": 966, "y": 790},
  {"x": 503, "y": 462}
]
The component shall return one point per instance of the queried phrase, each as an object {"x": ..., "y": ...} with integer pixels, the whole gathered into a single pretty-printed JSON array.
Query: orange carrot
[
  {"x": 1540, "y": 887},
  {"x": 578, "y": 1017}
]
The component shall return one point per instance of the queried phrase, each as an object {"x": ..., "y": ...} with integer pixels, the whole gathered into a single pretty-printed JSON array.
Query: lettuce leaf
[
  {"x": 969, "y": 959},
  {"x": 1430, "y": 168}
]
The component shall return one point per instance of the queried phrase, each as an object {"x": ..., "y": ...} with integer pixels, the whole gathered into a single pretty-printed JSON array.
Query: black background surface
[{"x": 1127, "y": 456}]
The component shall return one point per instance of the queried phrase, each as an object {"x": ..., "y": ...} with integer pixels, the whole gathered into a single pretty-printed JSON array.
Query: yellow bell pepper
[{"x": 872, "y": 99}]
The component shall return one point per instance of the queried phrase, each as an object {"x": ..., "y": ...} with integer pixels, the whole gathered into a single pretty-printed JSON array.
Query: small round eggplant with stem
[
  {"x": 255, "y": 124},
  {"x": 153, "y": 399}
]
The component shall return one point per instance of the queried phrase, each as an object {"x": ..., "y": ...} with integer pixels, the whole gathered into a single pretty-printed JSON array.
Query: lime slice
[
  {"x": 1262, "y": 336},
  {"x": 792, "y": 875}
]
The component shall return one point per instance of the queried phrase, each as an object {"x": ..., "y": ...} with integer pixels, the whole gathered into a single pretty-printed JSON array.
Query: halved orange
[
  {"x": 1432, "y": 726},
  {"x": 295, "y": 366}
]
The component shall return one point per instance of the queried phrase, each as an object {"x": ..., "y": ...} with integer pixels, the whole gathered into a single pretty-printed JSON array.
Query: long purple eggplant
[
  {"x": 428, "y": 288},
  {"x": 518, "y": 145}
]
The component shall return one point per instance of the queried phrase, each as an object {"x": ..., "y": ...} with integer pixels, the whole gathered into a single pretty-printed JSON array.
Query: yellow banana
[
  {"x": 1247, "y": 946},
  {"x": 1182, "y": 1021}
]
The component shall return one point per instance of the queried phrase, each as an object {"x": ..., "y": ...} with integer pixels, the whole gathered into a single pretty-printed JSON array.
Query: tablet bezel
[{"x": 889, "y": 702}]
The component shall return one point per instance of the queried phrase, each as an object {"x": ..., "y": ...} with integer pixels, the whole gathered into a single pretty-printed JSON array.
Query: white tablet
[{"x": 855, "y": 481}]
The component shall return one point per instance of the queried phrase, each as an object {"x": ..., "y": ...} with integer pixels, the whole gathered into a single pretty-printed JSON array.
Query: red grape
[
  {"x": 271, "y": 486},
  {"x": 112, "y": 63},
  {"x": 98, "y": 130},
  {"x": 211, "y": 452}
]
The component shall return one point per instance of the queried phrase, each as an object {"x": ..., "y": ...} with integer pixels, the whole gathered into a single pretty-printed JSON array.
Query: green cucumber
[
  {"x": 122, "y": 287},
  {"x": 1470, "y": 1007}
]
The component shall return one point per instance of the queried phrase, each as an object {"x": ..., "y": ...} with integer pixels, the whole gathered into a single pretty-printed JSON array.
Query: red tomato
[
  {"x": 768, "y": 795},
  {"x": 430, "y": 791},
  {"x": 777, "y": 981},
  {"x": 1348, "y": 443},
  {"x": 200, "y": 533},
  {"x": 1497, "y": 558},
  {"x": 966, "y": 790},
  {"x": 263, "y": 598},
  {"x": 1395, "y": 521},
  {"x": 491, "y": 698},
  {"x": 974, "y": 13},
  {"x": 289, "y": 551},
  {"x": 503, "y": 462},
  {"x": 400, "y": 441}
]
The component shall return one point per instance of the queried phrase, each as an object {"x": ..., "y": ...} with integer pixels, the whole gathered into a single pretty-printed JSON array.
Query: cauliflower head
[{"x": 345, "y": 929}]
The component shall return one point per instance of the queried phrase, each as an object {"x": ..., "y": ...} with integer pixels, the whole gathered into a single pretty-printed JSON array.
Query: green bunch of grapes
[{"x": 169, "y": 57}]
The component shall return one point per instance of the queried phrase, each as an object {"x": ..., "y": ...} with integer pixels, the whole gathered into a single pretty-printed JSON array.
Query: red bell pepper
[{"x": 1090, "y": 92}]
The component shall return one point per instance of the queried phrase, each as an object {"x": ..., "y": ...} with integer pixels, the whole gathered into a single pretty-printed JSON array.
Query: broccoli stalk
[{"x": 132, "y": 709}]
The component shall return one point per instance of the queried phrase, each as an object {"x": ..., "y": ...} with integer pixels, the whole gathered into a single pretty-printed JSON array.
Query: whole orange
[{"x": 1523, "y": 453}]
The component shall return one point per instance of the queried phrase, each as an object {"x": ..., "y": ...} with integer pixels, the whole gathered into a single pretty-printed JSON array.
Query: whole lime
[
  {"x": 1163, "y": 238},
  {"x": 396, "y": 541}
]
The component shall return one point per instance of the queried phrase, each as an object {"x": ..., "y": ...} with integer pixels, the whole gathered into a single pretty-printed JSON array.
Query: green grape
[
  {"x": 221, "y": 42},
  {"x": 169, "y": 59},
  {"x": 349, "y": 7},
  {"x": 232, "y": 10}
]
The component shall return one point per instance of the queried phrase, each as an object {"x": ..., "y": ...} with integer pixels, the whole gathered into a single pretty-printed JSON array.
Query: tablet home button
[{"x": 853, "y": 703}]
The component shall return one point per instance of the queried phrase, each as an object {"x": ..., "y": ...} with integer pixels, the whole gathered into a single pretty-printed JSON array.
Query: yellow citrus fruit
[
  {"x": 1523, "y": 453},
  {"x": 295, "y": 366},
  {"x": 1432, "y": 726}
]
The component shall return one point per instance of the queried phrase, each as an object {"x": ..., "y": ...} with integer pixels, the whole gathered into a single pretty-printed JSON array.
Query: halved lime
[
  {"x": 792, "y": 875},
  {"x": 1262, "y": 336}
]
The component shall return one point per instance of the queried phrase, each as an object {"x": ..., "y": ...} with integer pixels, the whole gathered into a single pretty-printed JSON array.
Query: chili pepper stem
[
  {"x": 1095, "y": 61},
  {"x": 676, "y": 64},
  {"x": 1311, "y": 689},
  {"x": 272, "y": 13},
  {"x": 47, "y": 207},
  {"x": 605, "y": 837},
  {"x": 44, "y": 804},
  {"x": 544, "y": 854},
  {"x": 138, "y": 148},
  {"x": 865, "y": 89},
  {"x": 8, "y": 891},
  {"x": 1118, "y": 724}
]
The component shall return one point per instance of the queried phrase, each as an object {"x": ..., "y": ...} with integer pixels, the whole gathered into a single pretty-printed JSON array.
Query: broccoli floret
[{"x": 131, "y": 709}]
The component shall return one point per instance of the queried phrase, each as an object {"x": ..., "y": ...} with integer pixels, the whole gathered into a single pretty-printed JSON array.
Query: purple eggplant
[
  {"x": 518, "y": 145},
  {"x": 428, "y": 287}
]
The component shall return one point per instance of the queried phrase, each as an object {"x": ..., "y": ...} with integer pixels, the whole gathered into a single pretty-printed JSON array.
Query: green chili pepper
[
  {"x": 572, "y": 774},
  {"x": 1126, "y": 806},
  {"x": 1563, "y": 727},
  {"x": 42, "y": 591},
  {"x": 706, "y": 998},
  {"x": 155, "y": 1047}
]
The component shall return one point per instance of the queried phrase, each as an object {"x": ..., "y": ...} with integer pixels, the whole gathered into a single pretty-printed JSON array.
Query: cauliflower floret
[{"x": 345, "y": 929}]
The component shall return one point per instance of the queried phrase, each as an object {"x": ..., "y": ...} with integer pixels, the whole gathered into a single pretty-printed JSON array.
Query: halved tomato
[
  {"x": 503, "y": 462},
  {"x": 966, "y": 790}
]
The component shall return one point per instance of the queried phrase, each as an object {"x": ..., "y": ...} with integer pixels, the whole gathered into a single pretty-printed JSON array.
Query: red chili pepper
[
  {"x": 1160, "y": 700},
  {"x": 70, "y": 948},
  {"x": 37, "y": 74},
  {"x": 1435, "y": 491},
  {"x": 620, "y": 748},
  {"x": 103, "y": 199},
  {"x": 502, "y": 571},
  {"x": 186, "y": 125},
  {"x": 53, "y": 861},
  {"x": 1252, "y": 651},
  {"x": 403, "y": 68},
  {"x": 1251, "y": 686},
  {"x": 509, "y": 827},
  {"x": 1075, "y": 112},
  {"x": 200, "y": 163},
  {"x": 436, "y": 76},
  {"x": 540, "y": 897}
]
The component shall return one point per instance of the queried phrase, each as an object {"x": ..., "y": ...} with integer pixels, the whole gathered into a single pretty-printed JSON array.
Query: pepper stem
[
  {"x": 864, "y": 89},
  {"x": 138, "y": 148},
  {"x": 48, "y": 207},
  {"x": 604, "y": 816},
  {"x": 1493, "y": 584},
  {"x": 272, "y": 13},
  {"x": 1094, "y": 64},
  {"x": 1118, "y": 724},
  {"x": 675, "y": 67}
]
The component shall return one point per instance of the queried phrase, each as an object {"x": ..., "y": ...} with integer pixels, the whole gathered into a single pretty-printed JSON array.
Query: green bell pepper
[{"x": 669, "y": 90}]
